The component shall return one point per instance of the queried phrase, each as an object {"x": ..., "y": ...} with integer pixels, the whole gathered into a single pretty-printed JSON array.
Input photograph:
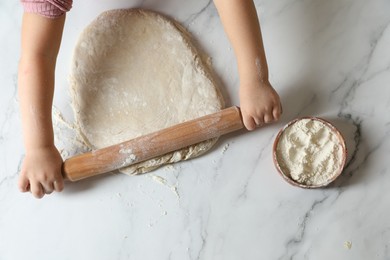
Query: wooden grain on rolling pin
[{"x": 153, "y": 145}]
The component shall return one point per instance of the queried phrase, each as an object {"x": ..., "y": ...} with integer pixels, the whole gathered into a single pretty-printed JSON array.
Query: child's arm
[
  {"x": 41, "y": 168},
  {"x": 258, "y": 100}
]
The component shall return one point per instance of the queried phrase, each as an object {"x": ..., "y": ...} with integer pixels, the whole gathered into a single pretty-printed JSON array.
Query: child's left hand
[{"x": 260, "y": 104}]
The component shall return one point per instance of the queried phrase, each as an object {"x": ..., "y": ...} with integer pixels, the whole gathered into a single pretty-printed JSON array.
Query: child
[{"x": 42, "y": 27}]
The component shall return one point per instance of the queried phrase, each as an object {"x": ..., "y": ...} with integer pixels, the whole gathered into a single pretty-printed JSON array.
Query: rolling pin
[{"x": 152, "y": 145}]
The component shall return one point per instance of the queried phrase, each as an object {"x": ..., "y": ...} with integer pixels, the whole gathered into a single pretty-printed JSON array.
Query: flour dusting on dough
[
  {"x": 128, "y": 81},
  {"x": 66, "y": 136}
]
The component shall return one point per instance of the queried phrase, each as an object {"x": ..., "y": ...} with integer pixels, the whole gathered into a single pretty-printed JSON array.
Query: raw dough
[{"x": 135, "y": 72}]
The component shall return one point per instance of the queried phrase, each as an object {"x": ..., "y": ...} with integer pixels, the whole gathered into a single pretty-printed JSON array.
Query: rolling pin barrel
[{"x": 152, "y": 145}]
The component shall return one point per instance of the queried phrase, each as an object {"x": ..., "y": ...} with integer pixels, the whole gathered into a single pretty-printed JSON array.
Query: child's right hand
[
  {"x": 260, "y": 104},
  {"x": 41, "y": 172}
]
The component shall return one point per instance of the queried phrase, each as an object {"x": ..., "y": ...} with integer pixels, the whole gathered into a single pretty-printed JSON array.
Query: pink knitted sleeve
[{"x": 47, "y": 8}]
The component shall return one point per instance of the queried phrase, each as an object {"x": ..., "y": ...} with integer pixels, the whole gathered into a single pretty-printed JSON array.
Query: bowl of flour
[{"x": 309, "y": 152}]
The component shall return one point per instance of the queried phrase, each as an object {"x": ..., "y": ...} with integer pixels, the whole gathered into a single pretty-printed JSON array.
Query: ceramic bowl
[{"x": 287, "y": 177}]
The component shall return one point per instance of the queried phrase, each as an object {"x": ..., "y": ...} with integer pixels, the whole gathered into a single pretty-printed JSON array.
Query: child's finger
[
  {"x": 23, "y": 184},
  {"x": 259, "y": 120},
  {"x": 58, "y": 185},
  {"x": 37, "y": 190},
  {"x": 268, "y": 118},
  {"x": 249, "y": 123},
  {"x": 277, "y": 112},
  {"x": 48, "y": 187}
]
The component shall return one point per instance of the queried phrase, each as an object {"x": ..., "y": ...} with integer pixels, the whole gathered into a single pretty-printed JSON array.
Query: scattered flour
[
  {"x": 165, "y": 183},
  {"x": 224, "y": 149},
  {"x": 125, "y": 151},
  {"x": 348, "y": 245},
  {"x": 309, "y": 152},
  {"x": 128, "y": 161}
]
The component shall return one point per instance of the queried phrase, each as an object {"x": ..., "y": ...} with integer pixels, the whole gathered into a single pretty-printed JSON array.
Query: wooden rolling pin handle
[{"x": 152, "y": 145}]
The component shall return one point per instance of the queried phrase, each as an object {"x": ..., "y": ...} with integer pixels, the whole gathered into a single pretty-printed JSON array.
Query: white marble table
[{"x": 326, "y": 58}]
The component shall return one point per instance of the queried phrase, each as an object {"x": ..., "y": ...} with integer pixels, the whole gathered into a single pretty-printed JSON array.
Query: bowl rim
[{"x": 333, "y": 129}]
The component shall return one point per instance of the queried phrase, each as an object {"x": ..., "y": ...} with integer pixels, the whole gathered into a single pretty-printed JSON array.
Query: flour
[
  {"x": 67, "y": 138},
  {"x": 348, "y": 245},
  {"x": 224, "y": 149},
  {"x": 126, "y": 151},
  {"x": 128, "y": 161},
  {"x": 164, "y": 182},
  {"x": 309, "y": 152}
]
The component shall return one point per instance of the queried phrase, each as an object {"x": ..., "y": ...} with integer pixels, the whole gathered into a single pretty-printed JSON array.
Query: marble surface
[{"x": 326, "y": 58}]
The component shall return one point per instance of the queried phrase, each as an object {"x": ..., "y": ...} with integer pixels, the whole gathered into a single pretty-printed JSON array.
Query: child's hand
[
  {"x": 41, "y": 172},
  {"x": 260, "y": 104}
]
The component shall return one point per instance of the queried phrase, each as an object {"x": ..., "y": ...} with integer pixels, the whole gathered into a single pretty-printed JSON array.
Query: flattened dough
[{"x": 135, "y": 72}]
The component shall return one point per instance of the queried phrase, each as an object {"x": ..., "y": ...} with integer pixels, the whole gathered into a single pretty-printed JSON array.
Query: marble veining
[{"x": 326, "y": 58}]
